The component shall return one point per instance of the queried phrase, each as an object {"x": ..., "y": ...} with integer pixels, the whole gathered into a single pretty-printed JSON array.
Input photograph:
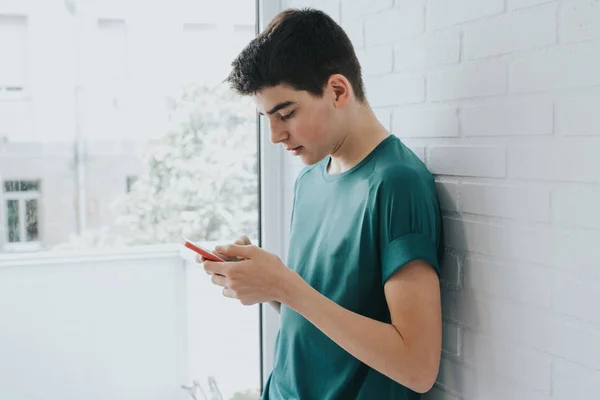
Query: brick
[
  {"x": 579, "y": 20},
  {"x": 456, "y": 306},
  {"x": 578, "y": 115},
  {"x": 565, "y": 67},
  {"x": 443, "y": 13},
  {"x": 450, "y": 269},
  {"x": 479, "y": 81},
  {"x": 405, "y": 90},
  {"x": 523, "y": 203},
  {"x": 384, "y": 116},
  {"x": 408, "y": 20},
  {"x": 454, "y": 376},
  {"x": 438, "y": 394},
  {"x": 376, "y": 60},
  {"x": 480, "y": 161},
  {"x": 450, "y": 338},
  {"x": 419, "y": 151},
  {"x": 577, "y": 206},
  {"x": 573, "y": 381},
  {"x": 575, "y": 251},
  {"x": 459, "y": 307},
  {"x": 511, "y": 33},
  {"x": 573, "y": 162},
  {"x": 428, "y": 122},
  {"x": 528, "y": 367},
  {"x": 502, "y": 389},
  {"x": 353, "y": 10},
  {"x": 508, "y": 118},
  {"x": 582, "y": 346},
  {"x": 527, "y": 283},
  {"x": 330, "y": 7},
  {"x": 356, "y": 32},
  {"x": 474, "y": 383},
  {"x": 432, "y": 49},
  {"x": 448, "y": 195},
  {"x": 576, "y": 298},
  {"x": 531, "y": 327},
  {"x": 517, "y": 4}
]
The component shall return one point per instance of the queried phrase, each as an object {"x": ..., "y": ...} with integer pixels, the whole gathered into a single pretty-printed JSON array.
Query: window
[
  {"x": 198, "y": 42},
  {"x": 136, "y": 141},
  {"x": 21, "y": 202},
  {"x": 112, "y": 48},
  {"x": 131, "y": 179},
  {"x": 13, "y": 53}
]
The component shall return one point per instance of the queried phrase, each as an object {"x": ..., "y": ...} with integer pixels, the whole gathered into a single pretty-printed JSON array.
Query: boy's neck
[{"x": 364, "y": 133}]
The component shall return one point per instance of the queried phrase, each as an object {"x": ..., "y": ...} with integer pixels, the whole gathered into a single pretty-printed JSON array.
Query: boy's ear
[{"x": 341, "y": 90}]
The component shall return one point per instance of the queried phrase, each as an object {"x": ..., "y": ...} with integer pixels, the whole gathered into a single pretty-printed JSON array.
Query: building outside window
[{"x": 21, "y": 201}]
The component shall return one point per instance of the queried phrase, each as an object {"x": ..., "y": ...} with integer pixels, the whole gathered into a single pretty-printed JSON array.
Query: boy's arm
[{"x": 408, "y": 349}]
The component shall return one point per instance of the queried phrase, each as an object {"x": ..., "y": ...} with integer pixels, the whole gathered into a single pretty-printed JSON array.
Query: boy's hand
[
  {"x": 241, "y": 241},
  {"x": 256, "y": 277}
]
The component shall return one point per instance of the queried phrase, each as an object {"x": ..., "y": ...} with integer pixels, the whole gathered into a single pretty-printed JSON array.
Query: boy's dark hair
[{"x": 300, "y": 48}]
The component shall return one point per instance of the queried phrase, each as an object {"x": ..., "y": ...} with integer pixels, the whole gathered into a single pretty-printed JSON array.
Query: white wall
[
  {"x": 501, "y": 98},
  {"x": 93, "y": 329},
  {"x": 129, "y": 325}
]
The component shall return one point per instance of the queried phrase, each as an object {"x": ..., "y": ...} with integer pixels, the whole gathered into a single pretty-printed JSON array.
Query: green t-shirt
[{"x": 349, "y": 233}]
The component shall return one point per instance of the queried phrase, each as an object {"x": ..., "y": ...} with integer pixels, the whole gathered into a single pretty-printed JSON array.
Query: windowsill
[
  {"x": 38, "y": 258},
  {"x": 21, "y": 247},
  {"x": 11, "y": 255}
]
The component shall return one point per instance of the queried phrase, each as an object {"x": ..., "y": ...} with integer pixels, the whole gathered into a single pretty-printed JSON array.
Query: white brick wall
[
  {"x": 580, "y": 20},
  {"x": 432, "y": 49},
  {"x": 512, "y": 117},
  {"x": 478, "y": 81},
  {"x": 504, "y": 35},
  {"x": 443, "y": 13},
  {"x": 502, "y": 101}
]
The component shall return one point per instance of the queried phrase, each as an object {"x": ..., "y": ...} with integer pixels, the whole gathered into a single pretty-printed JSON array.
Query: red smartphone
[{"x": 209, "y": 255}]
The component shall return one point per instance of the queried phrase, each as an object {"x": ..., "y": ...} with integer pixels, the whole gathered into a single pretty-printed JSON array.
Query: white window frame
[
  {"x": 272, "y": 179},
  {"x": 21, "y": 197}
]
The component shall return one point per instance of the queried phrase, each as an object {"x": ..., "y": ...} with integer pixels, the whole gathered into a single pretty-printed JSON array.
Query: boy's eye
[{"x": 287, "y": 116}]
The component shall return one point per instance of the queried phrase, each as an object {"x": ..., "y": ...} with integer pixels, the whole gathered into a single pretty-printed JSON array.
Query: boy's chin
[{"x": 309, "y": 159}]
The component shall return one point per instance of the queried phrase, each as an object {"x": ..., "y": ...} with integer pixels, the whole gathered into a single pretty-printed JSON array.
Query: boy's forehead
[{"x": 268, "y": 97}]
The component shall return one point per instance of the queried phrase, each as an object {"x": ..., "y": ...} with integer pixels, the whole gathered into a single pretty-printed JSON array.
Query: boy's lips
[{"x": 295, "y": 150}]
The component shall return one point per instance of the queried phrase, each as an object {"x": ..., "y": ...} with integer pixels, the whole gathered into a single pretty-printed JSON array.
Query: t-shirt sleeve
[{"x": 409, "y": 222}]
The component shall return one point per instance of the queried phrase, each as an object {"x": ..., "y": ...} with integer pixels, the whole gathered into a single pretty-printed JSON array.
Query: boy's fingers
[
  {"x": 234, "y": 250},
  {"x": 223, "y": 256},
  {"x": 217, "y": 268},
  {"x": 243, "y": 241}
]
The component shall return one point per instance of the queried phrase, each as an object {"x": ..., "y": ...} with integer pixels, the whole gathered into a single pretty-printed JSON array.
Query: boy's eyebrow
[{"x": 278, "y": 107}]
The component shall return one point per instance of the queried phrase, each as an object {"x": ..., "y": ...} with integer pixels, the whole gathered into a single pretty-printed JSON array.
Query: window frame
[
  {"x": 22, "y": 197},
  {"x": 271, "y": 206},
  {"x": 271, "y": 210}
]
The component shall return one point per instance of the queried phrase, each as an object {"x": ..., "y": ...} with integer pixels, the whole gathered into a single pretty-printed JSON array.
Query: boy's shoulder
[{"x": 399, "y": 165}]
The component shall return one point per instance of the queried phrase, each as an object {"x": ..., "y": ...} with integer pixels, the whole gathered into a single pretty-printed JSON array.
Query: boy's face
[{"x": 305, "y": 124}]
